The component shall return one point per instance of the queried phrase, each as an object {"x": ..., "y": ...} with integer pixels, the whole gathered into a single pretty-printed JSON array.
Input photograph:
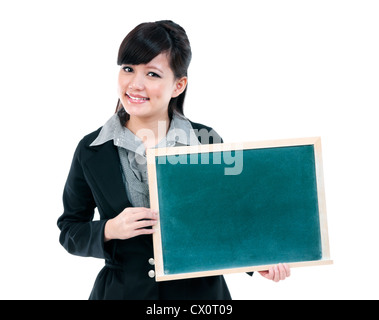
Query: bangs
[{"x": 143, "y": 44}]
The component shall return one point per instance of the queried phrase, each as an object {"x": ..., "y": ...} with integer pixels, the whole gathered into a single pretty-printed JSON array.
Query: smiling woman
[
  {"x": 109, "y": 171},
  {"x": 145, "y": 91},
  {"x": 163, "y": 47}
]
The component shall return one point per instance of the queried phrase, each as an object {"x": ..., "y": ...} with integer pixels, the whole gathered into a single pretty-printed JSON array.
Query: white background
[{"x": 260, "y": 70}]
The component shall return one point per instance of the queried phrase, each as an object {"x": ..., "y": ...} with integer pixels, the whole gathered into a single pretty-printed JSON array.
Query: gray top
[{"x": 132, "y": 152}]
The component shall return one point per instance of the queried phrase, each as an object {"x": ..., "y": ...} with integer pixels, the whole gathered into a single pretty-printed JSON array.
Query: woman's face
[{"x": 145, "y": 90}]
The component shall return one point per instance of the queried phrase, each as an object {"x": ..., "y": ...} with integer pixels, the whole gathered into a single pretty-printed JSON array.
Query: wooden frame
[{"x": 154, "y": 202}]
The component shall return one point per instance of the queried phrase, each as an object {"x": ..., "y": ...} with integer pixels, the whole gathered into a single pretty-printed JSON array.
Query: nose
[{"x": 136, "y": 82}]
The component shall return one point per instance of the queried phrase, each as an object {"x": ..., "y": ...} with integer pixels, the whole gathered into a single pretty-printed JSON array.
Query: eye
[
  {"x": 153, "y": 74},
  {"x": 127, "y": 69}
]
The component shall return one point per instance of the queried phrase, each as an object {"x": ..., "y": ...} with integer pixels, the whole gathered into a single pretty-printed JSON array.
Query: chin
[
  {"x": 144, "y": 112},
  {"x": 137, "y": 111}
]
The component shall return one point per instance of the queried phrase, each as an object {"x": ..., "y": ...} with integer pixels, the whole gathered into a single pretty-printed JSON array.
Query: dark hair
[{"x": 148, "y": 40}]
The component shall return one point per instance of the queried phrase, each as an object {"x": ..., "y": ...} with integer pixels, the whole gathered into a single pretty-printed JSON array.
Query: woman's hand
[
  {"x": 277, "y": 272},
  {"x": 130, "y": 223}
]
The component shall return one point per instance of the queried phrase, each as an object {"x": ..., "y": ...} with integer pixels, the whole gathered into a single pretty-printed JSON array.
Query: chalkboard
[{"x": 238, "y": 207}]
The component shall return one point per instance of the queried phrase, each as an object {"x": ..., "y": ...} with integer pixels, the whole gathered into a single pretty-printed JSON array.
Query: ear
[{"x": 180, "y": 86}]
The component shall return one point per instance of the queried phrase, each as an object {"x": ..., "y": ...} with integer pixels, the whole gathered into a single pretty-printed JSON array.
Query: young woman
[{"x": 108, "y": 171}]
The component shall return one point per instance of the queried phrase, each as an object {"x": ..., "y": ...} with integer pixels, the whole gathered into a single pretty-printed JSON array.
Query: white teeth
[{"x": 137, "y": 99}]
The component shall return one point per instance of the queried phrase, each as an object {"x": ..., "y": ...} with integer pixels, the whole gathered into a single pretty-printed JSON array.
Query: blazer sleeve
[{"x": 79, "y": 234}]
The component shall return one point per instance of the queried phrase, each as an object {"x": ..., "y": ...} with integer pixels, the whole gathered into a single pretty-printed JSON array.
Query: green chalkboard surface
[{"x": 264, "y": 212}]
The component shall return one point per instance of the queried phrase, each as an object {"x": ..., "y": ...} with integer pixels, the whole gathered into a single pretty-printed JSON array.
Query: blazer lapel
[{"x": 104, "y": 169}]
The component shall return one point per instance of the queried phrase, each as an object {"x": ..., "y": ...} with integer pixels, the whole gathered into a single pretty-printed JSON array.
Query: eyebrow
[{"x": 150, "y": 66}]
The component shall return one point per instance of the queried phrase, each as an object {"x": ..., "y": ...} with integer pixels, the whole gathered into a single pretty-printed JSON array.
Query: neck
[{"x": 150, "y": 131}]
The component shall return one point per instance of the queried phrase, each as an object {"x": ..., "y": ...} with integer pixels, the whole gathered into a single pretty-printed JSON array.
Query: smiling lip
[{"x": 136, "y": 98}]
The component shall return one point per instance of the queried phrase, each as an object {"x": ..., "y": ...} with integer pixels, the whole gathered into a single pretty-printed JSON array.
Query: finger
[
  {"x": 270, "y": 274},
  {"x": 288, "y": 269},
  {"x": 145, "y": 215},
  {"x": 135, "y": 209},
  {"x": 282, "y": 271},
  {"x": 142, "y": 231},
  {"x": 276, "y": 274},
  {"x": 144, "y": 224}
]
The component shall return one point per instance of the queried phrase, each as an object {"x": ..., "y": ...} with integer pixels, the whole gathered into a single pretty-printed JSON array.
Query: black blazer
[{"x": 95, "y": 180}]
